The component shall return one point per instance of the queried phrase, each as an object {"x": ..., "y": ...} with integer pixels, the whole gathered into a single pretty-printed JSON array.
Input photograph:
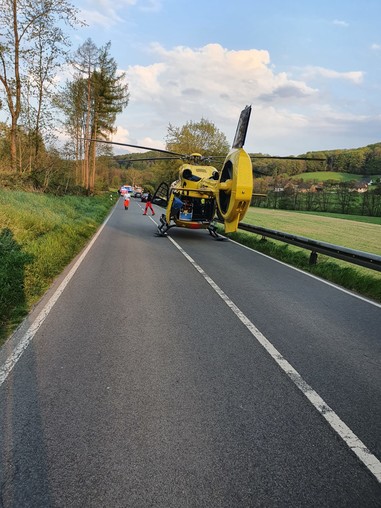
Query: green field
[
  {"x": 351, "y": 231},
  {"x": 323, "y": 176}
]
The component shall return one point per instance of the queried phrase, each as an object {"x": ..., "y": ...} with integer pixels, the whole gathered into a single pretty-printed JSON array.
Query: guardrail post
[{"x": 313, "y": 258}]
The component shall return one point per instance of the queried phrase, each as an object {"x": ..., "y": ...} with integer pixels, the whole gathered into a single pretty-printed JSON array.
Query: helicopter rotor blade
[
  {"x": 260, "y": 173},
  {"x": 290, "y": 157},
  {"x": 136, "y": 146},
  {"x": 149, "y": 159},
  {"x": 243, "y": 123},
  {"x": 287, "y": 158}
]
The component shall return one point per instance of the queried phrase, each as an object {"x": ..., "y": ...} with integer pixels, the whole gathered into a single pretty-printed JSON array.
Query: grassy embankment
[
  {"x": 354, "y": 232},
  {"x": 39, "y": 235}
]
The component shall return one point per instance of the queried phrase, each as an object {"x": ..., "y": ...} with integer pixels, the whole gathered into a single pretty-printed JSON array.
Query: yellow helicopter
[{"x": 202, "y": 194}]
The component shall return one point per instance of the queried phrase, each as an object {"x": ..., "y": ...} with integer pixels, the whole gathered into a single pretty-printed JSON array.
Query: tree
[
  {"x": 110, "y": 98},
  {"x": 372, "y": 202},
  {"x": 197, "y": 137},
  {"x": 26, "y": 27},
  {"x": 85, "y": 61},
  {"x": 345, "y": 197},
  {"x": 194, "y": 137},
  {"x": 134, "y": 176},
  {"x": 323, "y": 199},
  {"x": 310, "y": 199},
  {"x": 90, "y": 104},
  {"x": 72, "y": 103}
]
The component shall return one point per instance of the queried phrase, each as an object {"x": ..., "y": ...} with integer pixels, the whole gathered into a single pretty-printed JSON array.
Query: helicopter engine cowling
[{"x": 235, "y": 188}]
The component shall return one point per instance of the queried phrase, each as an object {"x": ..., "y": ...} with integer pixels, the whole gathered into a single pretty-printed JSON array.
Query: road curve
[{"x": 144, "y": 386}]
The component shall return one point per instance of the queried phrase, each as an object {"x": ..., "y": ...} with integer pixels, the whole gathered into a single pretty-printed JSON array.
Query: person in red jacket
[
  {"x": 126, "y": 200},
  {"x": 149, "y": 205}
]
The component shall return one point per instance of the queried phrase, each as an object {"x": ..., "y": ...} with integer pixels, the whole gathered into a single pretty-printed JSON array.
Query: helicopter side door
[{"x": 161, "y": 195}]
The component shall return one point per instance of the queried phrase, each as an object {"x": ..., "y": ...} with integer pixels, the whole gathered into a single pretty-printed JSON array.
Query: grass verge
[{"x": 39, "y": 235}]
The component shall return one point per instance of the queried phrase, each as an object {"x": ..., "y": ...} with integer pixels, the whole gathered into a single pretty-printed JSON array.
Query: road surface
[{"x": 188, "y": 372}]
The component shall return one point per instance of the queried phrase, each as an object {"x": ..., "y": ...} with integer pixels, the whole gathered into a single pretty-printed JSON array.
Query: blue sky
[{"x": 310, "y": 69}]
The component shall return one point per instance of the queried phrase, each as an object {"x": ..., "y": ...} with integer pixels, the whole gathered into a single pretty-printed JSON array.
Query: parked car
[
  {"x": 138, "y": 194},
  {"x": 126, "y": 188}
]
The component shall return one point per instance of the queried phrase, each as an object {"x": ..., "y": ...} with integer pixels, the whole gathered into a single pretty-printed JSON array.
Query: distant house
[
  {"x": 360, "y": 187},
  {"x": 304, "y": 187},
  {"x": 307, "y": 187}
]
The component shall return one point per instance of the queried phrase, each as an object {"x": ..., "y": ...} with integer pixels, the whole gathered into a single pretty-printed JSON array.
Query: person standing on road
[
  {"x": 149, "y": 205},
  {"x": 126, "y": 200}
]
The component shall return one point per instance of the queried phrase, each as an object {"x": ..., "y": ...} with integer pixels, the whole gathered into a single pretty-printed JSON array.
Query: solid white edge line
[
  {"x": 353, "y": 442},
  {"x": 336, "y": 286},
  {"x": 12, "y": 359}
]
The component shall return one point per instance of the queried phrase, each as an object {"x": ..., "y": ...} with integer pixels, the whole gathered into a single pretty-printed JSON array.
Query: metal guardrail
[{"x": 356, "y": 257}]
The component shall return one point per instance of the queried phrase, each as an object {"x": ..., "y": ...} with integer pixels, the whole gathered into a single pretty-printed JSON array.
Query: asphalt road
[{"x": 147, "y": 383}]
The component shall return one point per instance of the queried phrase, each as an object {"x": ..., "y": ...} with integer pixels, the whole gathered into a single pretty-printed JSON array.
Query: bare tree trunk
[
  {"x": 87, "y": 135},
  {"x": 93, "y": 153},
  {"x": 15, "y": 106}
]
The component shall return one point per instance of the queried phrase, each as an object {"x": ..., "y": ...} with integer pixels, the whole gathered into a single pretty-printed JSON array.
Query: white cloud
[
  {"x": 211, "y": 82},
  {"x": 108, "y": 13},
  {"x": 104, "y": 13},
  {"x": 123, "y": 136},
  {"x": 150, "y": 5},
  {"x": 353, "y": 76},
  {"x": 375, "y": 47},
  {"x": 340, "y": 23},
  {"x": 96, "y": 18}
]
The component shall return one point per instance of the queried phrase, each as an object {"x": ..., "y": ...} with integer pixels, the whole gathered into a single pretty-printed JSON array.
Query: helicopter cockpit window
[{"x": 188, "y": 175}]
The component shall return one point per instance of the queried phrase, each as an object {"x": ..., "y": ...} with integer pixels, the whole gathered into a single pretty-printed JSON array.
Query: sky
[{"x": 310, "y": 69}]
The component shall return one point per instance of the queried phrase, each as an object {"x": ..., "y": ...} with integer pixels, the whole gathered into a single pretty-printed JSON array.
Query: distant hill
[{"x": 357, "y": 162}]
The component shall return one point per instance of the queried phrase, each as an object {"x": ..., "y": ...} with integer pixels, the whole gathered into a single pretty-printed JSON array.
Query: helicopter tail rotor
[
  {"x": 235, "y": 188},
  {"x": 235, "y": 185}
]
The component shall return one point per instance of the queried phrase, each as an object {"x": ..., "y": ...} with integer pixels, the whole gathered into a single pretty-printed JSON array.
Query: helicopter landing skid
[
  {"x": 163, "y": 227},
  {"x": 212, "y": 228}
]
